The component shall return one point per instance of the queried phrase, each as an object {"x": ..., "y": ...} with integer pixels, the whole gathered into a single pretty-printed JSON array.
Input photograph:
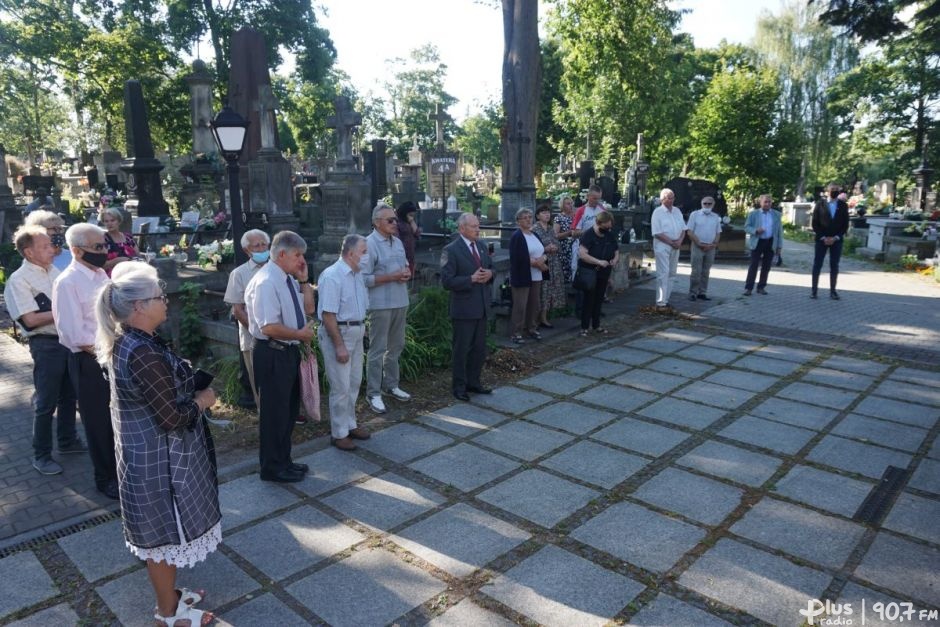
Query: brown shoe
[
  {"x": 359, "y": 433},
  {"x": 344, "y": 444}
]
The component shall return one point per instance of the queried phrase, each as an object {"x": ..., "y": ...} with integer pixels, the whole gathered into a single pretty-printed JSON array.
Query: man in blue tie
[{"x": 830, "y": 223}]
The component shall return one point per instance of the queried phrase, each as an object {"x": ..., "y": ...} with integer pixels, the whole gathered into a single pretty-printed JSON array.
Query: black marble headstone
[
  {"x": 144, "y": 189},
  {"x": 689, "y": 194}
]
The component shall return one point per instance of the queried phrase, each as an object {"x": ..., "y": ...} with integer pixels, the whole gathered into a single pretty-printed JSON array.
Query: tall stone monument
[
  {"x": 10, "y": 216},
  {"x": 204, "y": 174},
  {"x": 144, "y": 190}
]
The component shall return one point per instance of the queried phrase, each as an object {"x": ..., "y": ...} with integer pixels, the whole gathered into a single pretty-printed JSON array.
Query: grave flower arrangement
[
  {"x": 216, "y": 253},
  {"x": 209, "y": 223},
  {"x": 166, "y": 250}
]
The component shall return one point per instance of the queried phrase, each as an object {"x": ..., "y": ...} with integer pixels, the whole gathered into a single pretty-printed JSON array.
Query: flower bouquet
[{"x": 218, "y": 252}]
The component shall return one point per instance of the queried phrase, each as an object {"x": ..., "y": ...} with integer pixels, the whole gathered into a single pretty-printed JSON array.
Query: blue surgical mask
[{"x": 261, "y": 257}]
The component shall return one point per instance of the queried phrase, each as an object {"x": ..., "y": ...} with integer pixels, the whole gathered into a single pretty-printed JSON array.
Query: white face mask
[
  {"x": 706, "y": 210},
  {"x": 364, "y": 260}
]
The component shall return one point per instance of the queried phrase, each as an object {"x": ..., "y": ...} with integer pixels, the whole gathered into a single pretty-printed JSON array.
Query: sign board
[{"x": 444, "y": 164}]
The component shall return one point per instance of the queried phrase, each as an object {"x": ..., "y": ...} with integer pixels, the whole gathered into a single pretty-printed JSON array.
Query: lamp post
[{"x": 229, "y": 130}]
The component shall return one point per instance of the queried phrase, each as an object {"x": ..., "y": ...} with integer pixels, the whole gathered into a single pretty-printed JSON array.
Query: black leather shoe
[
  {"x": 110, "y": 490},
  {"x": 461, "y": 396},
  {"x": 477, "y": 390},
  {"x": 834, "y": 295},
  {"x": 703, "y": 297},
  {"x": 762, "y": 291},
  {"x": 288, "y": 475},
  {"x": 813, "y": 296},
  {"x": 304, "y": 468}
]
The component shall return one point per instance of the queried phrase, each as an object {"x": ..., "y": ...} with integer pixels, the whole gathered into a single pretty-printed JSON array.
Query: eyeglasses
[
  {"x": 391, "y": 220},
  {"x": 707, "y": 204},
  {"x": 162, "y": 297},
  {"x": 97, "y": 247}
]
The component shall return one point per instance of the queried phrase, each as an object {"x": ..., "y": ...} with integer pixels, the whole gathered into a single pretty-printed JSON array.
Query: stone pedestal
[
  {"x": 269, "y": 190},
  {"x": 513, "y": 199},
  {"x": 798, "y": 213},
  {"x": 346, "y": 209}
]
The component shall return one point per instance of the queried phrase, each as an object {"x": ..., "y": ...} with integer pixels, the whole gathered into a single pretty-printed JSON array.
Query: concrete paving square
[
  {"x": 570, "y": 417},
  {"x": 303, "y": 537},
  {"x": 766, "y": 365},
  {"x": 681, "y": 367},
  {"x": 667, "y": 610},
  {"x": 595, "y": 464},
  {"x": 263, "y": 610},
  {"x": 331, "y": 468},
  {"x": 404, "y": 442},
  {"x": 915, "y": 516},
  {"x": 468, "y": 614},
  {"x": 511, "y": 400},
  {"x": 639, "y": 536},
  {"x": 838, "y": 378},
  {"x": 763, "y": 585},
  {"x": 640, "y": 436},
  {"x": 99, "y": 551},
  {"x": 389, "y": 587},
  {"x": 908, "y": 568},
  {"x": 682, "y": 335},
  {"x": 554, "y": 382},
  {"x": 731, "y": 343},
  {"x": 248, "y": 498},
  {"x": 538, "y": 496},
  {"x": 657, "y": 344},
  {"x": 914, "y": 375},
  {"x": 594, "y": 368},
  {"x": 385, "y": 501},
  {"x": 60, "y": 614},
  {"x": 714, "y": 394},
  {"x": 557, "y": 588},
  {"x": 25, "y": 582},
  {"x": 927, "y": 476},
  {"x": 793, "y": 413},
  {"x": 768, "y": 434},
  {"x": 682, "y": 412},
  {"x": 650, "y": 380},
  {"x": 694, "y": 497},
  {"x": 462, "y": 419},
  {"x": 708, "y": 354},
  {"x": 864, "y": 459},
  {"x": 914, "y": 392},
  {"x": 523, "y": 439},
  {"x": 899, "y": 411},
  {"x": 460, "y": 539},
  {"x": 800, "y": 532},
  {"x": 786, "y": 353},
  {"x": 615, "y": 397},
  {"x": 465, "y": 466},
  {"x": 858, "y": 366},
  {"x": 818, "y": 395},
  {"x": 731, "y": 462},
  {"x": 825, "y": 490},
  {"x": 629, "y": 356},
  {"x": 750, "y": 381},
  {"x": 883, "y": 432}
]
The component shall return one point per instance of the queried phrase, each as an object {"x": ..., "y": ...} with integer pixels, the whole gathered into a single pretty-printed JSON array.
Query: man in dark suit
[
  {"x": 466, "y": 272},
  {"x": 830, "y": 223}
]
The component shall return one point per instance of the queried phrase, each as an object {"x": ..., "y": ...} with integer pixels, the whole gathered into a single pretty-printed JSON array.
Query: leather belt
[
  {"x": 43, "y": 336},
  {"x": 277, "y": 345},
  {"x": 349, "y": 323}
]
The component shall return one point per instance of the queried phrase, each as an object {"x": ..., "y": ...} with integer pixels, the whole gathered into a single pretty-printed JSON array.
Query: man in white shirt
[
  {"x": 74, "y": 295},
  {"x": 55, "y": 229},
  {"x": 704, "y": 231},
  {"x": 668, "y": 232}
]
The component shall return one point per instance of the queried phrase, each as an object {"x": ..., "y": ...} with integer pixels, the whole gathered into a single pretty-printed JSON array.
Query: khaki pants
[
  {"x": 525, "y": 308},
  {"x": 344, "y": 379},
  {"x": 386, "y": 341},
  {"x": 702, "y": 261}
]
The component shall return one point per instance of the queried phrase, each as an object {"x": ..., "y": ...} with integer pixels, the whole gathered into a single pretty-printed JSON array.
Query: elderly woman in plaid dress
[{"x": 166, "y": 474}]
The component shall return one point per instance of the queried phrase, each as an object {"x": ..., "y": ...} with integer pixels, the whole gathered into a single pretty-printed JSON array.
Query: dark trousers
[
  {"x": 835, "y": 254},
  {"x": 94, "y": 402},
  {"x": 278, "y": 381},
  {"x": 53, "y": 394},
  {"x": 469, "y": 353},
  {"x": 591, "y": 308},
  {"x": 763, "y": 256}
]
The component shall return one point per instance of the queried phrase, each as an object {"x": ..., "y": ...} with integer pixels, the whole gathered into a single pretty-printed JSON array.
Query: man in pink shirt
[{"x": 73, "y": 308}]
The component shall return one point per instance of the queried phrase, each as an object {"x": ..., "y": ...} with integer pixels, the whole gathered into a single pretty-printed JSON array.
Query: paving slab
[
  {"x": 657, "y": 344},
  {"x": 708, "y": 354},
  {"x": 927, "y": 476},
  {"x": 555, "y": 382},
  {"x": 555, "y": 587},
  {"x": 404, "y": 442},
  {"x": 825, "y": 490},
  {"x": 914, "y": 375},
  {"x": 639, "y": 536},
  {"x": 881, "y": 432},
  {"x": 751, "y": 381},
  {"x": 787, "y": 353},
  {"x": 468, "y": 614},
  {"x": 731, "y": 343},
  {"x": 523, "y": 440},
  {"x": 766, "y": 365},
  {"x": 594, "y": 368},
  {"x": 462, "y": 419},
  {"x": 640, "y": 436},
  {"x": 838, "y": 378},
  {"x": 385, "y": 501},
  {"x": 899, "y": 411},
  {"x": 594, "y": 463},
  {"x": 99, "y": 551},
  {"x": 714, "y": 394},
  {"x": 570, "y": 417},
  {"x": 332, "y": 468},
  {"x": 511, "y": 400},
  {"x": 682, "y": 412},
  {"x": 25, "y": 582},
  {"x": 460, "y": 539},
  {"x": 248, "y": 498},
  {"x": 906, "y": 567},
  {"x": 864, "y": 459},
  {"x": 629, "y": 356},
  {"x": 389, "y": 587},
  {"x": 303, "y": 537},
  {"x": 60, "y": 614},
  {"x": 800, "y": 532},
  {"x": 681, "y": 367},
  {"x": 763, "y": 585},
  {"x": 731, "y": 462},
  {"x": 915, "y": 516},
  {"x": 865, "y": 367},
  {"x": 264, "y": 610},
  {"x": 694, "y": 497},
  {"x": 615, "y": 397},
  {"x": 768, "y": 434},
  {"x": 538, "y": 496},
  {"x": 914, "y": 392},
  {"x": 465, "y": 466},
  {"x": 818, "y": 395},
  {"x": 681, "y": 335},
  {"x": 794, "y": 413},
  {"x": 650, "y": 380},
  {"x": 667, "y": 610}
]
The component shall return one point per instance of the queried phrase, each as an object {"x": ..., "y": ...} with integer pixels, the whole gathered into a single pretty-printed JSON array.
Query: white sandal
[
  {"x": 191, "y": 614},
  {"x": 187, "y": 599}
]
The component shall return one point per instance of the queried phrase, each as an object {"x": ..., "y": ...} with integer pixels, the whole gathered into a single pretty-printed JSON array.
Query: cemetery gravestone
[{"x": 145, "y": 191}]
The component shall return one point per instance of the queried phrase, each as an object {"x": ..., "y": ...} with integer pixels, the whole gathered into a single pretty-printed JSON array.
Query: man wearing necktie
[
  {"x": 830, "y": 223},
  {"x": 276, "y": 306}
]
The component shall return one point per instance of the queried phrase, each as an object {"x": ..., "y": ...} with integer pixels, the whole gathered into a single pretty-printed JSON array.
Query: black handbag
[{"x": 585, "y": 279}]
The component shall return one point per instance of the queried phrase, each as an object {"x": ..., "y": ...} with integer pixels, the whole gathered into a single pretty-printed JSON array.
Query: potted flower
[{"x": 218, "y": 253}]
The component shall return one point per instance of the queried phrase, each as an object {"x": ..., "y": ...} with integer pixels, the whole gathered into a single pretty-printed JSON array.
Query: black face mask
[
  {"x": 58, "y": 240},
  {"x": 834, "y": 193},
  {"x": 95, "y": 259},
  {"x": 603, "y": 230}
]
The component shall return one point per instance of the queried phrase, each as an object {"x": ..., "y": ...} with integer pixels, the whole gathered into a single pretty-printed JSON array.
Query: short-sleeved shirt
[
  {"x": 268, "y": 301},
  {"x": 23, "y": 287},
  {"x": 235, "y": 295},
  {"x": 386, "y": 256},
  {"x": 602, "y": 247},
  {"x": 342, "y": 292},
  {"x": 669, "y": 223},
  {"x": 63, "y": 259},
  {"x": 74, "y": 295},
  {"x": 706, "y": 226}
]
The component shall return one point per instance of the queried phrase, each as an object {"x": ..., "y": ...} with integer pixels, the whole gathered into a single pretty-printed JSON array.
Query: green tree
[
  {"x": 478, "y": 137},
  {"x": 305, "y": 107}
]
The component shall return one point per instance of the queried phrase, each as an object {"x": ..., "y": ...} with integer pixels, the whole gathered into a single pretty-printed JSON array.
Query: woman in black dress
[{"x": 598, "y": 251}]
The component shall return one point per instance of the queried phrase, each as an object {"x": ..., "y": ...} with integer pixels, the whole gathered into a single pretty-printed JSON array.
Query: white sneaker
[
  {"x": 377, "y": 405},
  {"x": 400, "y": 394}
]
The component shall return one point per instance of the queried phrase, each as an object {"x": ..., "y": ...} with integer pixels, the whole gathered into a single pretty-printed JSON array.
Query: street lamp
[{"x": 229, "y": 130}]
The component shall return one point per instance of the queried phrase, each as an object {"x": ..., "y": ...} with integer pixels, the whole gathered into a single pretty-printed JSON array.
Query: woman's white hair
[
  {"x": 130, "y": 283},
  {"x": 44, "y": 218},
  {"x": 111, "y": 212}
]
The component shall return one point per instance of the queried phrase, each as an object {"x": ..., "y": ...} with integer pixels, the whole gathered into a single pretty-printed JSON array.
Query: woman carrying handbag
[{"x": 597, "y": 255}]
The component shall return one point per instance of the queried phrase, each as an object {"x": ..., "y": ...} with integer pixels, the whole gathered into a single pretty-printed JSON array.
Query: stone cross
[
  {"x": 345, "y": 121},
  {"x": 439, "y": 118},
  {"x": 267, "y": 104}
]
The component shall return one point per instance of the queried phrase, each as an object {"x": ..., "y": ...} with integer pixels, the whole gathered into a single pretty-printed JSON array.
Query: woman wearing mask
[{"x": 597, "y": 251}]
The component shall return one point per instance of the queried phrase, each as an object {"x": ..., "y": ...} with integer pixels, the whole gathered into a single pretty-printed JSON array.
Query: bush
[
  {"x": 10, "y": 261},
  {"x": 851, "y": 245}
]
